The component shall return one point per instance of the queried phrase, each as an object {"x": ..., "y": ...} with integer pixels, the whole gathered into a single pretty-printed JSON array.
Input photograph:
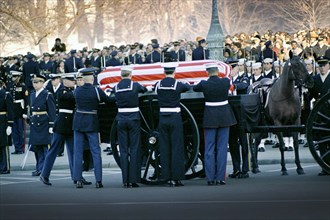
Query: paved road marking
[{"x": 290, "y": 168}]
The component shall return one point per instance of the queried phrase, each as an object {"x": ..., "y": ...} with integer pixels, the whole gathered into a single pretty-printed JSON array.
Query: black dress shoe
[
  {"x": 178, "y": 183},
  {"x": 60, "y": 155},
  {"x": 45, "y": 180},
  {"x": 36, "y": 173},
  {"x": 5, "y": 172},
  {"x": 153, "y": 177},
  {"x": 234, "y": 175},
  {"x": 221, "y": 182},
  {"x": 171, "y": 183},
  {"x": 98, "y": 184},
  {"x": 323, "y": 173},
  {"x": 244, "y": 175},
  {"x": 79, "y": 184},
  {"x": 135, "y": 185},
  {"x": 107, "y": 149},
  {"x": 127, "y": 185},
  {"x": 210, "y": 183},
  {"x": 85, "y": 182}
]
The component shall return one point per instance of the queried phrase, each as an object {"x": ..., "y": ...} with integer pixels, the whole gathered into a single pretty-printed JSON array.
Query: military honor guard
[
  {"x": 86, "y": 126},
  {"x": 20, "y": 95},
  {"x": 63, "y": 133},
  {"x": 73, "y": 63},
  {"x": 268, "y": 68},
  {"x": 217, "y": 118},
  {"x": 177, "y": 54},
  {"x": 257, "y": 72},
  {"x": 133, "y": 57},
  {"x": 320, "y": 88},
  {"x": 46, "y": 66},
  {"x": 114, "y": 60},
  {"x": 201, "y": 52},
  {"x": 42, "y": 116},
  {"x": 238, "y": 144},
  {"x": 6, "y": 123},
  {"x": 155, "y": 56},
  {"x": 30, "y": 67},
  {"x": 171, "y": 142},
  {"x": 128, "y": 117}
]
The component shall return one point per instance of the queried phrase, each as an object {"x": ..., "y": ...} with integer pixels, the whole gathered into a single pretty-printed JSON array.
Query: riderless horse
[{"x": 283, "y": 107}]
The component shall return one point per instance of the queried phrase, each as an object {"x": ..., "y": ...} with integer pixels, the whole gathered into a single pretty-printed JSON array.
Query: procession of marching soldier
[{"x": 57, "y": 94}]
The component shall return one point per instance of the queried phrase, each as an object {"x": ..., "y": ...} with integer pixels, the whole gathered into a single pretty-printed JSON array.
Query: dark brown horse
[{"x": 283, "y": 106}]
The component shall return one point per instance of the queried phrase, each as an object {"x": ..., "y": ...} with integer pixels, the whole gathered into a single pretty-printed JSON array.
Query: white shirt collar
[{"x": 38, "y": 92}]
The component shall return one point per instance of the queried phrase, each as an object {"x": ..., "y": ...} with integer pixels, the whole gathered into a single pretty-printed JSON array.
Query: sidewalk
[{"x": 270, "y": 156}]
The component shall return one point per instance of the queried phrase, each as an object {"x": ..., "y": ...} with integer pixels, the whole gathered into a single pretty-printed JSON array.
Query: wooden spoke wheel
[
  {"x": 318, "y": 132},
  {"x": 149, "y": 112}
]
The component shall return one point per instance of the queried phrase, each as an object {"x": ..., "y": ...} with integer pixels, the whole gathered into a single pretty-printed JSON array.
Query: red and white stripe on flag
[{"x": 149, "y": 74}]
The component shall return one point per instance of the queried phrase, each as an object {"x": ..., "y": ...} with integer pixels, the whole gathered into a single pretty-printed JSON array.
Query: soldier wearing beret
[
  {"x": 42, "y": 116},
  {"x": 6, "y": 123}
]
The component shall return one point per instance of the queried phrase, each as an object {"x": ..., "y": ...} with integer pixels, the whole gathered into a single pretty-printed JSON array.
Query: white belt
[
  {"x": 65, "y": 111},
  {"x": 93, "y": 112},
  {"x": 216, "y": 103},
  {"x": 136, "y": 109},
  {"x": 19, "y": 101},
  {"x": 177, "y": 109}
]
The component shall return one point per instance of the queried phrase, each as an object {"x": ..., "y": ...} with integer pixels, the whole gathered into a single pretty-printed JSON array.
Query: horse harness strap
[{"x": 216, "y": 103}]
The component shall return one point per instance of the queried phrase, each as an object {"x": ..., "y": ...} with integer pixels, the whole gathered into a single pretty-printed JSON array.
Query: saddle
[{"x": 262, "y": 87}]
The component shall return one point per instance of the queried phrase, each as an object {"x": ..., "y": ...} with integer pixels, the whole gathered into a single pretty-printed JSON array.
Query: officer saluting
[
  {"x": 201, "y": 53},
  {"x": 43, "y": 113},
  {"x": 171, "y": 141},
  {"x": 218, "y": 117},
  {"x": 6, "y": 123},
  {"x": 127, "y": 100},
  {"x": 86, "y": 125}
]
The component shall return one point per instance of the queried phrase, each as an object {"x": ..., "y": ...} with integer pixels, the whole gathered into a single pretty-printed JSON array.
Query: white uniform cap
[
  {"x": 277, "y": 63},
  {"x": 211, "y": 65},
  {"x": 256, "y": 65},
  {"x": 250, "y": 62},
  {"x": 126, "y": 68},
  {"x": 53, "y": 75},
  {"x": 268, "y": 60},
  {"x": 170, "y": 65},
  {"x": 308, "y": 61},
  {"x": 241, "y": 61}
]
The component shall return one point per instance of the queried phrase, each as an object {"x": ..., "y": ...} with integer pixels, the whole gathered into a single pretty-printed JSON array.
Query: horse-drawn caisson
[{"x": 249, "y": 108}]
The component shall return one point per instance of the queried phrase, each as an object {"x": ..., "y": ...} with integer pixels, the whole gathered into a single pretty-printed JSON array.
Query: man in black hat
[
  {"x": 320, "y": 88},
  {"x": 6, "y": 123},
  {"x": 171, "y": 142},
  {"x": 58, "y": 46},
  {"x": 321, "y": 46},
  {"x": 42, "y": 116},
  {"x": 268, "y": 52},
  {"x": 155, "y": 55},
  {"x": 20, "y": 94},
  {"x": 73, "y": 63},
  {"x": 86, "y": 126},
  {"x": 201, "y": 53},
  {"x": 29, "y": 68}
]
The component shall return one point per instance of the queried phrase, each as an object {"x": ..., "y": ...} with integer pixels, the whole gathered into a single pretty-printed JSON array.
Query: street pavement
[{"x": 270, "y": 156}]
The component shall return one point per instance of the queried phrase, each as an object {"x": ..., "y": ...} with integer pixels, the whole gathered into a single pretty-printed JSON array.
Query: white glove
[
  {"x": 24, "y": 116},
  {"x": 149, "y": 88},
  {"x": 50, "y": 130},
  {"x": 8, "y": 131},
  {"x": 107, "y": 92}
]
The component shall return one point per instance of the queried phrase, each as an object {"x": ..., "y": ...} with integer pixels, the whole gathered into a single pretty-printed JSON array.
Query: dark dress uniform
[
  {"x": 200, "y": 53},
  {"x": 86, "y": 125},
  {"x": 237, "y": 137},
  {"x": 133, "y": 59},
  {"x": 319, "y": 89},
  {"x": 154, "y": 57},
  {"x": 128, "y": 117},
  {"x": 43, "y": 113},
  {"x": 20, "y": 101},
  {"x": 179, "y": 55},
  {"x": 218, "y": 117},
  {"x": 171, "y": 142},
  {"x": 270, "y": 74},
  {"x": 63, "y": 133},
  {"x": 29, "y": 68},
  {"x": 6, "y": 119},
  {"x": 254, "y": 79},
  {"x": 47, "y": 68},
  {"x": 113, "y": 62},
  {"x": 73, "y": 64}
]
